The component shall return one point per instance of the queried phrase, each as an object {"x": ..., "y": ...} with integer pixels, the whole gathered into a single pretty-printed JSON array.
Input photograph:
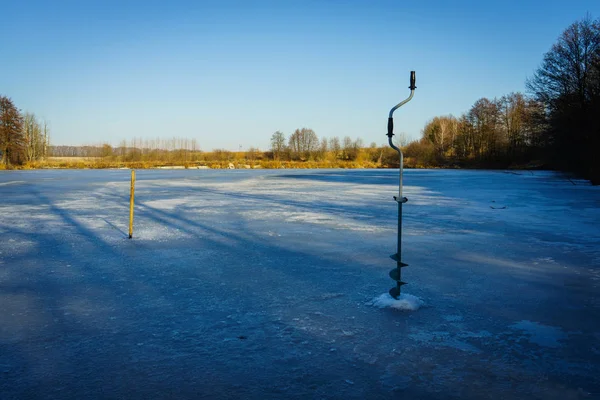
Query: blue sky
[{"x": 230, "y": 73}]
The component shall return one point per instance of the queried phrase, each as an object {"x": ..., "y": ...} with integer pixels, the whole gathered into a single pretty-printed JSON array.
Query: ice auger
[{"x": 396, "y": 273}]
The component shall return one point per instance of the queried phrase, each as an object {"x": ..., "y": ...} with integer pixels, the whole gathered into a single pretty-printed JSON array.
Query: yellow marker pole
[{"x": 131, "y": 204}]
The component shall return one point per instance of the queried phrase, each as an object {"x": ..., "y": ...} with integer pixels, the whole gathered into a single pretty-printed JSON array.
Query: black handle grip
[
  {"x": 390, "y": 127},
  {"x": 413, "y": 80}
]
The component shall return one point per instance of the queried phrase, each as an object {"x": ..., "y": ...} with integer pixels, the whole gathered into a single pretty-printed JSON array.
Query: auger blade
[
  {"x": 395, "y": 291},
  {"x": 397, "y": 259}
]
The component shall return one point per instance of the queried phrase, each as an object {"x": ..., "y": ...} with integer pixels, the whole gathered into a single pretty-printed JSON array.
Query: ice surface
[
  {"x": 542, "y": 335},
  {"x": 405, "y": 301},
  {"x": 260, "y": 285}
]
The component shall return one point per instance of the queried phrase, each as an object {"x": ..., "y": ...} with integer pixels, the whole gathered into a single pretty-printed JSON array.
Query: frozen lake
[{"x": 258, "y": 285}]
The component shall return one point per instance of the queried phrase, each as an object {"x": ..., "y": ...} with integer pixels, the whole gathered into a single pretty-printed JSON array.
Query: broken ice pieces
[{"x": 405, "y": 301}]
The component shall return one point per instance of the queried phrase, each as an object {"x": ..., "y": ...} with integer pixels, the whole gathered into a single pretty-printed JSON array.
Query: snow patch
[
  {"x": 404, "y": 302},
  {"x": 12, "y": 183},
  {"x": 332, "y": 221}
]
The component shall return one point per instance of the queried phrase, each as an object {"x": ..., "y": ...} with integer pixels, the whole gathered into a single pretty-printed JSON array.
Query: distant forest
[{"x": 556, "y": 125}]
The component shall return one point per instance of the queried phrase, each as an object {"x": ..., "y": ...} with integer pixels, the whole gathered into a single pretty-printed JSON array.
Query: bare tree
[
  {"x": 33, "y": 137},
  {"x": 513, "y": 108},
  {"x": 441, "y": 131},
  {"x": 334, "y": 146},
  {"x": 569, "y": 71},
  {"x": 484, "y": 119},
  {"x": 303, "y": 143},
  {"x": 401, "y": 139},
  {"x": 346, "y": 147},
  {"x": 107, "y": 150},
  {"x": 323, "y": 148},
  {"x": 351, "y": 148},
  {"x": 568, "y": 85},
  {"x": 46, "y": 140},
  {"x": 277, "y": 144}
]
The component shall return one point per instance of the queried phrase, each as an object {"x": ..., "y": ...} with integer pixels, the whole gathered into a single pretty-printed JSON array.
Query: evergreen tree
[{"x": 12, "y": 144}]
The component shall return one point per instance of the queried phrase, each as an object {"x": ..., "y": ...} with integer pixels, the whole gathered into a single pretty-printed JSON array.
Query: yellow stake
[{"x": 131, "y": 204}]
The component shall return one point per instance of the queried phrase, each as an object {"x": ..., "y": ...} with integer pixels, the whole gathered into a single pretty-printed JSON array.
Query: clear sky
[{"x": 230, "y": 73}]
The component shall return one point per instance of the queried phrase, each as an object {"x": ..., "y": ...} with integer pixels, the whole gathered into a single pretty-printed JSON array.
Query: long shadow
[
  {"x": 356, "y": 212},
  {"x": 381, "y": 214},
  {"x": 103, "y": 275},
  {"x": 124, "y": 234}
]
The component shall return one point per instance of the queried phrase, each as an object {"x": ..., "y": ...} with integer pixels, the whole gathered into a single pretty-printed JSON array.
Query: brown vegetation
[{"x": 217, "y": 159}]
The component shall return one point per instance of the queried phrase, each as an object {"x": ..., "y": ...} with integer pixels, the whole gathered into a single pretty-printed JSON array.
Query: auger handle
[{"x": 412, "y": 88}]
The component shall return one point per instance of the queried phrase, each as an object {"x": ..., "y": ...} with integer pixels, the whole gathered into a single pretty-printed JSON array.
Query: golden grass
[{"x": 102, "y": 163}]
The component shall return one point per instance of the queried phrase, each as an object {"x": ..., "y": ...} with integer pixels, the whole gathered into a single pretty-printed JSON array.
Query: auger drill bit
[{"x": 396, "y": 273}]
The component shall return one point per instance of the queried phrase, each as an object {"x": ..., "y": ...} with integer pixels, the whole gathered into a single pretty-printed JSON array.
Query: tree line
[
  {"x": 304, "y": 145},
  {"x": 493, "y": 133},
  {"x": 557, "y": 124},
  {"x": 137, "y": 149},
  {"x": 23, "y": 138},
  {"x": 568, "y": 85}
]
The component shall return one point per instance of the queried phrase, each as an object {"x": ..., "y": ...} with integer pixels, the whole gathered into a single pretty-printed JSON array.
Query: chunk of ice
[{"x": 404, "y": 302}]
